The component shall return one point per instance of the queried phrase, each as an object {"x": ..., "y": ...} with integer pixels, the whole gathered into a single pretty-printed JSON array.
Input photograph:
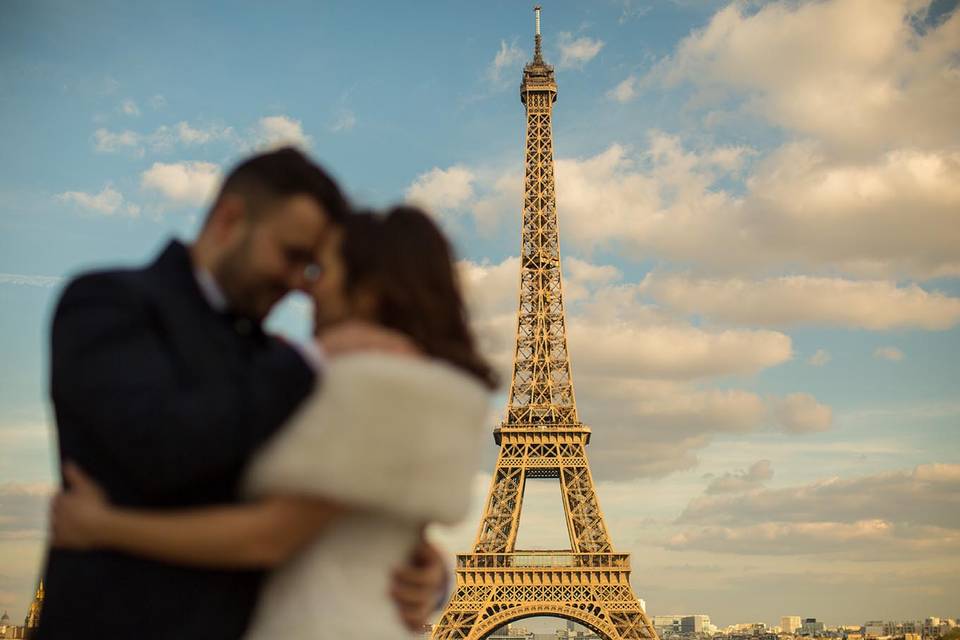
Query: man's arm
[
  {"x": 114, "y": 378},
  {"x": 256, "y": 535}
]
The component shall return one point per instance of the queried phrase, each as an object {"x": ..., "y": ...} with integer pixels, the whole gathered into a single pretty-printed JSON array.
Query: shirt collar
[{"x": 211, "y": 291}]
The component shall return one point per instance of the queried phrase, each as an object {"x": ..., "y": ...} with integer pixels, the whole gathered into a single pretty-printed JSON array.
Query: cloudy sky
[{"x": 760, "y": 217}]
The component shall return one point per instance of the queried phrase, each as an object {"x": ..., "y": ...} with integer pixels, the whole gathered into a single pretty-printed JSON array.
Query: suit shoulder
[{"x": 119, "y": 284}]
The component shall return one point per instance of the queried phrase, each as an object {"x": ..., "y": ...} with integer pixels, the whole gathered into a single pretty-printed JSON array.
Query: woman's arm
[{"x": 260, "y": 534}]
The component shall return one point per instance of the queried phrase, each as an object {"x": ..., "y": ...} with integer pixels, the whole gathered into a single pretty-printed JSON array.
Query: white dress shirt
[{"x": 311, "y": 351}]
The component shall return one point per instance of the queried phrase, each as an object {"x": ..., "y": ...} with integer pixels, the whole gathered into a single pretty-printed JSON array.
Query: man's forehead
[
  {"x": 301, "y": 219},
  {"x": 331, "y": 233}
]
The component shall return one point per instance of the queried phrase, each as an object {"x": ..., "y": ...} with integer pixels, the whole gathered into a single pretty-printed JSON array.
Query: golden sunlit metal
[{"x": 542, "y": 437}]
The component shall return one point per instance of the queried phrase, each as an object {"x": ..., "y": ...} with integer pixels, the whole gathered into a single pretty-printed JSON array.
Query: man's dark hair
[{"x": 284, "y": 173}]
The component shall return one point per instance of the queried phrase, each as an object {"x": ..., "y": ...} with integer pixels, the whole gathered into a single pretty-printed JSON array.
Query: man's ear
[{"x": 228, "y": 217}]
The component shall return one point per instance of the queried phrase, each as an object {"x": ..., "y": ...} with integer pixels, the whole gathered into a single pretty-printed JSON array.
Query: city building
[
  {"x": 874, "y": 629},
  {"x": 8, "y": 629},
  {"x": 32, "y": 621},
  {"x": 790, "y": 624},
  {"x": 698, "y": 623},
  {"x": 667, "y": 626},
  {"x": 510, "y": 632},
  {"x": 930, "y": 628},
  {"x": 810, "y": 627},
  {"x": 747, "y": 628},
  {"x": 683, "y": 625}
]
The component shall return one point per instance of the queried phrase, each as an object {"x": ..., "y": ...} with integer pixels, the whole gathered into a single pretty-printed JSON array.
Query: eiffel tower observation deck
[{"x": 542, "y": 437}]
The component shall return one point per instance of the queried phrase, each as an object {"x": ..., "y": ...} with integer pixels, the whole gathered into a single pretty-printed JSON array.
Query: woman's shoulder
[
  {"x": 403, "y": 378},
  {"x": 417, "y": 421}
]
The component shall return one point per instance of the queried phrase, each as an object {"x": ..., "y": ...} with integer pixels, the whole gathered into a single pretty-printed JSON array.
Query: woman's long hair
[{"x": 406, "y": 260}]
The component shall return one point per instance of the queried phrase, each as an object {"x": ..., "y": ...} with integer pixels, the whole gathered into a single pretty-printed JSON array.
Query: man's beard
[{"x": 233, "y": 276}]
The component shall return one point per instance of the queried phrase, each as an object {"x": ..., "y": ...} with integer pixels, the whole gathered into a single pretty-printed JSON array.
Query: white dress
[{"x": 396, "y": 438}]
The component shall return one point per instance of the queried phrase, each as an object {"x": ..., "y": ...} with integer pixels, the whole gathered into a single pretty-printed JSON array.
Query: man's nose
[
  {"x": 297, "y": 280},
  {"x": 303, "y": 277}
]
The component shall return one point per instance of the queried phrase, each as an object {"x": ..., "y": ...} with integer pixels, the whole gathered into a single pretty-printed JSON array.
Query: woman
[{"x": 392, "y": 439}]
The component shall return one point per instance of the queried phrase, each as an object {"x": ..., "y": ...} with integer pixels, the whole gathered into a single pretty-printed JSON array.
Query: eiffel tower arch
[{"x": 542, "y": 437}]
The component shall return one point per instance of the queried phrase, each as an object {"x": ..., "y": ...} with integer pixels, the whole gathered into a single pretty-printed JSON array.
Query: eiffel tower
[{"x": 542, "y": 437}]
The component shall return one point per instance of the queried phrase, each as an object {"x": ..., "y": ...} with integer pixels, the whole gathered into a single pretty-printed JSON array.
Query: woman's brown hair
[{"x": 406, "y": 260}]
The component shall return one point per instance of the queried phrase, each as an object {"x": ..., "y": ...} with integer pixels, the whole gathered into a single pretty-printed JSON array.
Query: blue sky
[{"x": 760, "y": 221}]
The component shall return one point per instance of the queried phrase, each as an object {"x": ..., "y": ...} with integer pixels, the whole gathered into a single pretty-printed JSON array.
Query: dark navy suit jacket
[{"x": 162, "y": 400}]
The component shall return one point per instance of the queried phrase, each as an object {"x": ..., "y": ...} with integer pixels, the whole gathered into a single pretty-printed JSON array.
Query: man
[{"x": 164, "y": 384}]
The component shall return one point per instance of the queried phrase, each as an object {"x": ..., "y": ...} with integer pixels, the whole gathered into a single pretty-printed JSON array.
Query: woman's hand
[
  {"x": 79, "y": 513},
  {"x": 420, "y": 588}
]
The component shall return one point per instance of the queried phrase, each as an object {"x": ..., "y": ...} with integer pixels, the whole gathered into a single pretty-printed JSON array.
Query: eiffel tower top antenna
[{"x": 538, "y": 53}]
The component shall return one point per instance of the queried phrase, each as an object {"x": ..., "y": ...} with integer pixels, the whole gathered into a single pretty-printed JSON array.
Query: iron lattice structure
[{"x": 542, "y": 437}]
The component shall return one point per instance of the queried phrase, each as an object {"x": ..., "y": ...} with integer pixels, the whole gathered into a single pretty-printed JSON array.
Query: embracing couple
[{"x": 220, "y": 482}]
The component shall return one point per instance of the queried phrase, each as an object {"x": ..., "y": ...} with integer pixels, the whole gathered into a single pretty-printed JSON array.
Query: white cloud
[
  {"x": 653, "y": 428},
  {"x": 108, "y": 85},
  {"x": 866, "y": 185},
  {"x": 865, "y": 539},
  {"x": 642, "y": 376},
  {"x": 631, "y": 11},
  {"x": 613, "y": 335},
  {"x": 164, "y": 138},
  {"x": 754, "y": 477},
  {"x": 30, "y": 280},
  {"x": 888, "y": 353},
  {"x": 502, "y": 194},
  {"x": 23, "y": 510},
  {"x": 895, "y": 215},
  {"x": 441, "y": 190},
  {"x": 273, "y": 132},
  {"x": 801, "y": 413},
  {"x": 190, "y": 135},
  {"x": 890, "y": 218},
  {"x": 346, "y": 121},
  {"x": 129, "y": 107},
  {"x": 856, "y": 73},
  {"x": 581, "y": 278},
  {"x": 683, "y": 409},
  {"x": 508, "y": 58},
  {"x": 660, "y": 197},
  {"x": 804, "y": 300},
  {"x": 928, "y": 494},
  {"x": 576, "y": 52},
  {"x": 625, "y": 91},
  {"x": 820, "y": 358},
  {"x": 680, "y": 351},
  {"x": 108, "y": 202},
  {"x": 108, "y": 141},
  {"x": 191, "y": 183}
]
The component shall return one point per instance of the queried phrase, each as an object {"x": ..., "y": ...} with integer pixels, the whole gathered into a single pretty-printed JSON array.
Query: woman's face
[{"x": 330, "y": 299}]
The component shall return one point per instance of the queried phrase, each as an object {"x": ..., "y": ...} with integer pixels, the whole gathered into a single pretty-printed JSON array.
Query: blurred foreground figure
[
  {"x": 392, "y": 438},
  {"x": 164, "y": 384}
]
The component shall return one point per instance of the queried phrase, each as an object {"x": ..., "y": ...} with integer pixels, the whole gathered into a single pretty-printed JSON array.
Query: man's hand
[
  {"x": 356, "y": 335},
  {"x": 418, "y": 587}
]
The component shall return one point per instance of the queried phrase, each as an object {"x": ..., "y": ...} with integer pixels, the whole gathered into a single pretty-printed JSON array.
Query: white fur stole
[{"x": 382, "y": 432}]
